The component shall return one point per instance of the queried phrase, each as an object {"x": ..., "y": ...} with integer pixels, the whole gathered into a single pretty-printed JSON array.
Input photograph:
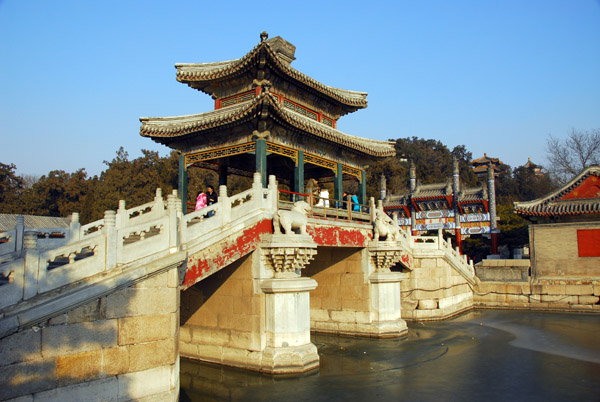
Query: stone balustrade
[
  {"x": 33, "y": 266},
  {"x": 424, "y": 244},
  {"x": 146, "y": 232}
]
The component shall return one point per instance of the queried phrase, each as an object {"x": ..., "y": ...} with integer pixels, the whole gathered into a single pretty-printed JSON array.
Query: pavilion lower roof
[
  {"x": 199, "y": 75},
  {"x": 167, "y": 129}
]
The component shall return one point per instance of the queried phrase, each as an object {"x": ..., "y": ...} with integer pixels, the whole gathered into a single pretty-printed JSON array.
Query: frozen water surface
[{"x": 481, "y": 356}]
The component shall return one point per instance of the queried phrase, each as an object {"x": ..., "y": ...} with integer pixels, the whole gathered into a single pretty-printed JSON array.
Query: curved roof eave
[
  {"x": 593, "y": 169},
  {"x": 178, "y": 126},
  {"x": 541, "y": 206},
  {"x": 365, "y": 145},
  {"x": 190, "y": 73}
]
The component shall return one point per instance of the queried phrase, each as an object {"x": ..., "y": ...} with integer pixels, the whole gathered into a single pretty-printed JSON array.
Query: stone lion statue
[
  {"x": 291, "y": 220},
  {"x": 384, "y": 227}
]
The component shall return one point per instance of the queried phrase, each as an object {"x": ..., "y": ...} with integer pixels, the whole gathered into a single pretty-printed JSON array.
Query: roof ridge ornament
[{"x": 264, "y": 36}]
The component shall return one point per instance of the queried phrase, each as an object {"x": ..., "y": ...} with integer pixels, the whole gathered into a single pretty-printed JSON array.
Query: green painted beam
[
  {"x": 338, "y": 185},
  {"x": 261, "y": 159},
  {"x": 183, "y": 183},
  {"x": 299, "y": 174},
  {"x": 362, "y": 189}
]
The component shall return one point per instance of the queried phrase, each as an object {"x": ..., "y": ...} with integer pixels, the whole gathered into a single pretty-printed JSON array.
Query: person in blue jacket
[{"x": 354, "y": 200}]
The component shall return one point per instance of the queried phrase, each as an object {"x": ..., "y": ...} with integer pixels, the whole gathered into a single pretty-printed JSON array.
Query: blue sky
[{"x": 496, "y": 76}]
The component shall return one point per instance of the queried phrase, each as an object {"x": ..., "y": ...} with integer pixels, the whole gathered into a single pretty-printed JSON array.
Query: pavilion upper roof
[
  {"x": 580, "y": 196},
  {"x": 277, "y": 54},
  {"x": 480, "y": 165},
  {"x": 484, "y": 160},
  {"x": 169, "y": 129}
]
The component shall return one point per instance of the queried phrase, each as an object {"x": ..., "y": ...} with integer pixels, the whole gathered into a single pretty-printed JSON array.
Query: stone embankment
[
  {"x": 506, "y": 284},
  {"x": 118, "y": 347}
]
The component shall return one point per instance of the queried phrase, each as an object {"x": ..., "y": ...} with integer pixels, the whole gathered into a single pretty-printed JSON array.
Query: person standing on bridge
[
  {"x": 211, "y": 197},
  {"x": 312, "y": 189},
  {"x": 345, "y": 199},
  {"x": 323, "y": 196},
  {"x": 355, "y": 205}
]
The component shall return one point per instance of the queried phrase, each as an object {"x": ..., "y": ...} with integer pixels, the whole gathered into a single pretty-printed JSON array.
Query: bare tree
[
  {"x": 567, "y": 157},
  {"x": 30, "y": 179}
]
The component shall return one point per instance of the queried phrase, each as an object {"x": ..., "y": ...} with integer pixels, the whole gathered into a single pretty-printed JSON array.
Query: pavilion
[{"x": 268, "y": 118}]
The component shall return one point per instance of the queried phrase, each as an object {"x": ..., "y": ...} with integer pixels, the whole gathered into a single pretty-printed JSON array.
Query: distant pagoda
[
  {"x": 480, "y": 165},
  {"x": 268, "y": 118}
]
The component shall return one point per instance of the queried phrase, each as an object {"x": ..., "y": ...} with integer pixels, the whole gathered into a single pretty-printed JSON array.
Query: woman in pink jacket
[{"x": 200, "y": 201}]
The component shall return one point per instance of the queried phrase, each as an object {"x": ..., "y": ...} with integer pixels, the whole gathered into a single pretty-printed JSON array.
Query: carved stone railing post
[
  {"x": 274, "y": 194},
  {"x": 257, "y": 190},
  {"x": 110, "y": 232},
  {"x": 224, "y": 205},
  {"x": 288, "y": 346},
  {"x": 372, "y": 208},
  {"x": 159, "y": 203},
  {"x": 74, "y": 228},
  {"x": 122, "y": 215},
  {"x": 20, "y": 229},
  {"x": 32, "y": 263},
  {"x": 174, "y": 211}
]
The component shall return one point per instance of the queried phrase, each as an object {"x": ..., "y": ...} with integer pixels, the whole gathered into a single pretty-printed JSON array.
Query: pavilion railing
[{"x": 327, "y": 208}]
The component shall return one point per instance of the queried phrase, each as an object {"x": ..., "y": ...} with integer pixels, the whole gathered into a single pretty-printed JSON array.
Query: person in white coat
[{"x": 323, "y": 198}]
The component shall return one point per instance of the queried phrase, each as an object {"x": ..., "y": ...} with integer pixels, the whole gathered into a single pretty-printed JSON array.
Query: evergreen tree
[
  {"x": 433, "y": 162},
  {"x": 11, "y": 188},
  {"x": 57, "y": 194}
]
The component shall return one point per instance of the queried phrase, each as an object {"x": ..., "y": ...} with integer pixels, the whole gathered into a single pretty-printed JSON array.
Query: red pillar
[
  {"x": 494, "y": 243},
  {"x": 459, "y": 241}
]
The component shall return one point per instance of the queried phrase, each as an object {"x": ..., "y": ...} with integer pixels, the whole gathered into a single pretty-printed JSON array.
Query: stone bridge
[{"x": 103, "y": 311}]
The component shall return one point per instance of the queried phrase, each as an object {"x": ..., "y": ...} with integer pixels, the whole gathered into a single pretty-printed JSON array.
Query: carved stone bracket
[
  {"x": 285, "y": 255},
  {"x": 385, "y": 255}
]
